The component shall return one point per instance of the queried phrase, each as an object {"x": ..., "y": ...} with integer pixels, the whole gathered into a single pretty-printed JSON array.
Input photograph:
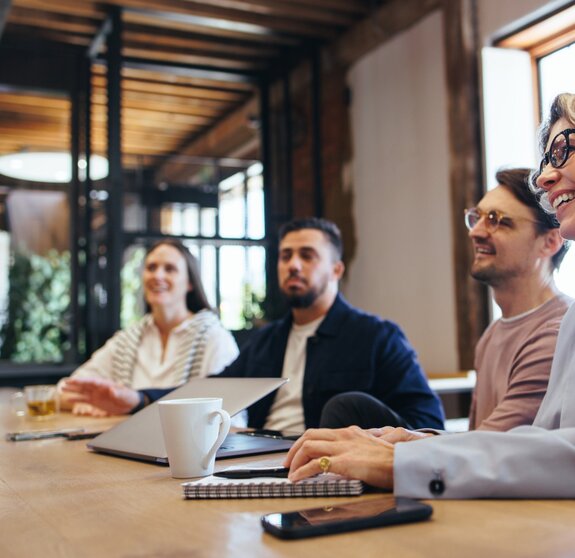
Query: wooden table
[{"x": 59, "y": 499}]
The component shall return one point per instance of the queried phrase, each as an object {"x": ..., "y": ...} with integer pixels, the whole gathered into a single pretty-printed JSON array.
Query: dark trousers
[{"x": 360, "y": 409}]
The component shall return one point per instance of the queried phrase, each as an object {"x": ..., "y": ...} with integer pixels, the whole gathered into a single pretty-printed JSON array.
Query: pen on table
[
  {"x": 41, "y": 434},
  {"x": 81, "y": 435}
]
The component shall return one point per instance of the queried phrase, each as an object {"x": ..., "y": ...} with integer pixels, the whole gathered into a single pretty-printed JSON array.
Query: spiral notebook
[{"x": 267, "y": 487}]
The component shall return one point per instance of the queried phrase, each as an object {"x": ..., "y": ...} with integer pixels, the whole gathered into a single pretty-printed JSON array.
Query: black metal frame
[
  {"x": 90, "y": 325},
  {"x": 104, "y": 324}
]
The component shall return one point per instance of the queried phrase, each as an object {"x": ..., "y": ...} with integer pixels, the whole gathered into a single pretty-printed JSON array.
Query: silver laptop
[{"x": 140, "y": 436}]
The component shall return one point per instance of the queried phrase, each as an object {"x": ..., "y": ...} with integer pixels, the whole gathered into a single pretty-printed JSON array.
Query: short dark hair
[
  {"x": 196, "y": 299},
  {"x": 516, "y": 181},
  {"x": 328, "y": 228}
]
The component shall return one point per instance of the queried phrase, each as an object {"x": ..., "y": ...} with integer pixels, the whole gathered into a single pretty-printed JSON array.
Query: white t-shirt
[{"x": 286, "y": 412}]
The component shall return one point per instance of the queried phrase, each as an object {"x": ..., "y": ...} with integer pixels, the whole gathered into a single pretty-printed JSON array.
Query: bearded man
[{"x": 329, "y": 349}]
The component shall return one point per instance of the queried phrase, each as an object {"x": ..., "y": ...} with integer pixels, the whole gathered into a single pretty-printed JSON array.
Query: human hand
[
  {"x": 87, "y": 410},
  {"x": 352, "y": 453},
  {"x": 108, "y": 396},
  {"x": 395, "y": 435}
]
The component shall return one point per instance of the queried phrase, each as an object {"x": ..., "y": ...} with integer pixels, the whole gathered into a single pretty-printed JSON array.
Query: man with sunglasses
[{"x": 517, "y": 247}]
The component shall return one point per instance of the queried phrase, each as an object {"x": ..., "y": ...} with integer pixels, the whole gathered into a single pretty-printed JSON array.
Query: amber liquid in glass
[{"x": 42, "y": 408}]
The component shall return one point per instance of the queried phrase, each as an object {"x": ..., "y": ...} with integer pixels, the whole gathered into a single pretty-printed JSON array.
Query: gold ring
[{"x": 324, "y": 464}]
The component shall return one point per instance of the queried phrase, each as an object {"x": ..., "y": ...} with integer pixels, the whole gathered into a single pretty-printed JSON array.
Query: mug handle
[{"x": 224, "y": 429}]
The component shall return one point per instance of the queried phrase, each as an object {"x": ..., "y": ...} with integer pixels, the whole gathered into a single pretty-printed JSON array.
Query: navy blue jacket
[{"x": 351, "y": 351}]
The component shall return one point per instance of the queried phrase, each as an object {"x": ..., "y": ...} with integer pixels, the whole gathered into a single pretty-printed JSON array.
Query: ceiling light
[{"x": 49, "y": 167}]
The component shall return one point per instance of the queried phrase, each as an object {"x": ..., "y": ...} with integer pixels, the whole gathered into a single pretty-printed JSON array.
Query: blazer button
[{"x": 437, "y": 486}]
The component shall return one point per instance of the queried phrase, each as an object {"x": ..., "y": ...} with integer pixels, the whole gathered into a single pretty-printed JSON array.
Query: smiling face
[
  {"x": 560, "y": 183},
  {"x": 308, "y": 268},
  {"x": 510, "y": 251},
  {"x": 165, "y": 278}
]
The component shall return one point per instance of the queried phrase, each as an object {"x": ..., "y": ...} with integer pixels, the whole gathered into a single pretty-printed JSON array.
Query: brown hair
[
  {"x": 196, "y": 299},
  {"x": 516, "y": 181}
]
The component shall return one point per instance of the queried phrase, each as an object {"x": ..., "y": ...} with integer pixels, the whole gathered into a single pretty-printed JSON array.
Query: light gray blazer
[{"x": 527, "y": 462}]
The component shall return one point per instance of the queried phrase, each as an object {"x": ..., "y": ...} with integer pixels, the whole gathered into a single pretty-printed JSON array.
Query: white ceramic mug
[{"x": 193, "y": 430}]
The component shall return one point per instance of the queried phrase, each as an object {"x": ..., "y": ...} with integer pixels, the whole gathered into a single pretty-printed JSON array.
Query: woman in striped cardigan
[{"x": 180, "y": 336}]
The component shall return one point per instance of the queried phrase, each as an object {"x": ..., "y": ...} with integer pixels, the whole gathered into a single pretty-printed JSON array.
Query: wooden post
[{"x": 466, "y": 181}]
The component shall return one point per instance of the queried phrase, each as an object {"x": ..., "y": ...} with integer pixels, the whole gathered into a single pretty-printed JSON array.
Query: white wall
[{"x": 403, "y": 269}]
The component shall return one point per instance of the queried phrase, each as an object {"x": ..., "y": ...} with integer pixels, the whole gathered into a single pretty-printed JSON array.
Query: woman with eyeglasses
[
  {"x": 526, "y": 462},
  {"x": 179, "y": 338}
]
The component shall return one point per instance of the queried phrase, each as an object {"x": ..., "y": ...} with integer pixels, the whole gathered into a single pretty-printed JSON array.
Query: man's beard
[
  {"x": 304, "y": 300},
  {"x": 491, "y": 276}
]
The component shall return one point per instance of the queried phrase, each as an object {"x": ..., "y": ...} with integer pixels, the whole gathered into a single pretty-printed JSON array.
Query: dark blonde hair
[{"x": 563, "y": 106}]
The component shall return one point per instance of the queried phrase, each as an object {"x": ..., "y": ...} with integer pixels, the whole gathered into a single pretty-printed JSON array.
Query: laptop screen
[{"x": 140, "y": 435}]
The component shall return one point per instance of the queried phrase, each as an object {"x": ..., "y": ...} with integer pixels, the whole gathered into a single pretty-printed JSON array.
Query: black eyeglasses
[
  {"x": 558, "y": 151},
  {"x": 493, "y": 219}
]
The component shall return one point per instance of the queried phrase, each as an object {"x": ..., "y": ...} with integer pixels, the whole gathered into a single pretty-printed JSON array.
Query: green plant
[
  {"x": 253, "y": 311},
  {"x": 37, "y": 322},
  {"x": 131, "y": 278}
]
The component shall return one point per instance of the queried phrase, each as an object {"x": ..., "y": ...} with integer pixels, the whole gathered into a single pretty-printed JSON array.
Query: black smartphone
[
  {"x": 338, "y": 518},
  {"x": 254, "y": 472},
  {"x": 265, "y": 433}
]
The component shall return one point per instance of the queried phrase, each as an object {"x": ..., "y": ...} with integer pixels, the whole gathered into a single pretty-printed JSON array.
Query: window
[
  {"x": 224, "y": 229},
  {"x": 555, "y": 76},
  {"x": 35, "y": 270},
  {"x": 521, "y": 77}
]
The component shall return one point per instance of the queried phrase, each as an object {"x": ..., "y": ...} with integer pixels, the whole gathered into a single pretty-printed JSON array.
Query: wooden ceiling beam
[
  {"x": 193, "y": 71},
  {"x": 153, "y": 38},
  {"x": 37, "y": 101},
  {"x": 166, "y": 109},
  {"x": 88, "y": 9},
  {"x": 162, "y": 75},
  {"x": 167, "y": 102},
  {"x": 44, "y": 19},
  {"x": 394, "y": 17},
  {"x": 178, "y": 108},
  {"x": 162, "y": 134},
  {"x": 179, "y": 56},
  {"x": 357, "y": 7},
  {"x": 188, "y": 64},
  {"x": 50, "y": 35},
  {"x": 167, "y": 118},
  {"x": 37, "y": 133},
  {"x": 24, "y": 118},
  {"x": 281, "y": 9},
  {"x": 183, "y": 93},
  {"x": 219, "y": 140},
  {"x": 215, "y": 18},
  {"x": 213, "y": 34}
]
